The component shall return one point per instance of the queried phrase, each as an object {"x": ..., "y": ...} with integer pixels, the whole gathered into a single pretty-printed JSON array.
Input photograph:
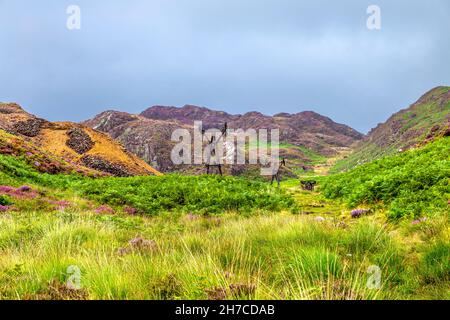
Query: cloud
[{"x": 237, "y": 56}]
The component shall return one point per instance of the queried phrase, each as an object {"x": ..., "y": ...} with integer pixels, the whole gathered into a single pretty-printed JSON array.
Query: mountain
[
  {"x": 64, "y": 146},
  {"x": 308, "y": 129},
  {"x": 425, "y": 120},
  {"x": 305, "y": 136},
  {"x": 147, "y": 138}
]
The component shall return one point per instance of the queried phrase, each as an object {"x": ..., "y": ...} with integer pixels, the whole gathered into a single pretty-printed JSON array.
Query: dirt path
[
  {"x": 323, "y": 168},
  {"x": 314, "y": 203}
]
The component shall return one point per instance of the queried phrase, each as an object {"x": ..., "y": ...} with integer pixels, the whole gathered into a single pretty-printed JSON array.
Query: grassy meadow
[{"x": 207, "y": 237}]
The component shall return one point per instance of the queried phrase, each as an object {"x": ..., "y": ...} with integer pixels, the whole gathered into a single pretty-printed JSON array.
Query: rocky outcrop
[
  {"x": 79, "y": 141},
  {"x": 65, "y": 142},
  {"x": 148, "y": 135},
  {"x": 100, "y": 164},
  {"x": 308, "y": 129},
  {"x": 30, "y": 128},
  {"x": 149, "y": 139}
]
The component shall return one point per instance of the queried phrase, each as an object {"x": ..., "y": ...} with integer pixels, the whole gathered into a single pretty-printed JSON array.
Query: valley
[
  {"x": 302, "y": 245},
  {"x": 305, "y": 137},
  {"x": 121, "y": 229}
]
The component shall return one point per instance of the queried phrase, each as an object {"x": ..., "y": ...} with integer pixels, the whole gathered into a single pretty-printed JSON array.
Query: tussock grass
[
  {"x": 277, "y": 256},
  {"x": 255, "y": 242}
]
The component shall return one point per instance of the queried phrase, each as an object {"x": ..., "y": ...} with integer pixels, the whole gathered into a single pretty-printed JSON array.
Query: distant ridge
[
  {"x": 426, "y": 119},
  {"x": 148, "y": 134}
]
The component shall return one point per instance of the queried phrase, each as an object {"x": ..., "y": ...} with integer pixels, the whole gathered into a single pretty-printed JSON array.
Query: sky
[{"x": 233, "y": 55}]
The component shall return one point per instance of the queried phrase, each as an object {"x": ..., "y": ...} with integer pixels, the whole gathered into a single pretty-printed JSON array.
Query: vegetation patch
[
  {"x": 410, "y": 184},
  {"x": 153, "y": 195},
  {"x": 201, "y": 194}
]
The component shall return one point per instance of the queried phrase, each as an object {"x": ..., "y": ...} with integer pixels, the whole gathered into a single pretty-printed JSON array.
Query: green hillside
[
  {"x": 426, "y": 119},
  {"x": 411, "y": 184}
]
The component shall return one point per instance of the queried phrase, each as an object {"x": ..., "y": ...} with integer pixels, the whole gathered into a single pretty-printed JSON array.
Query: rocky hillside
[
  {"x": 147, "y": 138},
  {"x": 425, "y": 120},
  {"x": 56, "y": 147},
  {"x": 305, "y": 136},
  {"x": 308, "y": 129}
]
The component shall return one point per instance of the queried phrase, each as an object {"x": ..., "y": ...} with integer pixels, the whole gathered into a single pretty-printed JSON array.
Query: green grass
[
  {"x": 407, "y": 128},
  {"x": 5, "y": 200},
  {"x": 209, "y": 237},
  {"x": 200, "y": 194},
  {"x": 263, "y": 257},
  {"x": 311, "y": 157},
  {"x": 411, "y": 184},
  {"x": 153, "y": 195}
]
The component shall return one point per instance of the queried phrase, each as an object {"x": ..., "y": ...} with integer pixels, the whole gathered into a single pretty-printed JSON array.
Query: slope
[
  {"x": 72, "y": 143},
  {"x": 422, "y": 122}
]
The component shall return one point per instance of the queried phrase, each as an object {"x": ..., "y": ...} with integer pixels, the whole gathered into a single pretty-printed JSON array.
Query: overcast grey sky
[{"x": 233, "y": 55}]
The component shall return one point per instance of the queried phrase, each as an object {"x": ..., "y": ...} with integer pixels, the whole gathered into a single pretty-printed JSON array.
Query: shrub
[
  {"x": 153, "y": 195},
  {"x": 4, "y": 208},
  {"x": 103, "y": 209},
  {"x": 203, "y": 194},
  {"x": 5, "y": 200},
  {"x": 409, "y": 184}
]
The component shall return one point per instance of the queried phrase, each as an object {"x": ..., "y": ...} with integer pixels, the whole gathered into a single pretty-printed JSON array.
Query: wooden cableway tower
[{"x": 211, "y": 161}]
